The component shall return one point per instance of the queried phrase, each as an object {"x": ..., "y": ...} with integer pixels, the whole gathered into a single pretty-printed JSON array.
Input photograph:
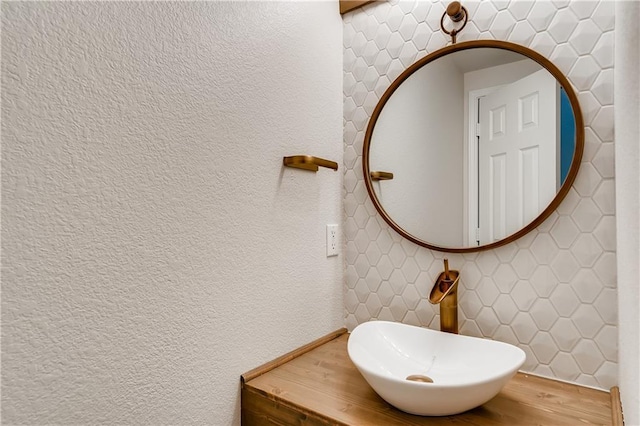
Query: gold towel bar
[
  {"x": 381, "y": 175},
  {"x": 308, "y": 162}
]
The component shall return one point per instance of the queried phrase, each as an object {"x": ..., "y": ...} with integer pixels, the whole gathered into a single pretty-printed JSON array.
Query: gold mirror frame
[{"x": 497, "y": 44}]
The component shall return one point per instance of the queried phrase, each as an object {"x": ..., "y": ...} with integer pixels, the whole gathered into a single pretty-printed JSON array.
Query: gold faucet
[{"x": 445, "y": 293}]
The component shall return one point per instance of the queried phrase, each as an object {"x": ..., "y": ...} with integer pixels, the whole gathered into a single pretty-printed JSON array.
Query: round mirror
[{"x": 473, "y": 146}]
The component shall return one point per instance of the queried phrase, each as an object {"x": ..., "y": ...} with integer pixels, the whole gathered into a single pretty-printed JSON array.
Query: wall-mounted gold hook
[
  {"x": 456, "y": 13},
  {"x": 380, "y": 175},
  {"x": 308, "y": 162}
]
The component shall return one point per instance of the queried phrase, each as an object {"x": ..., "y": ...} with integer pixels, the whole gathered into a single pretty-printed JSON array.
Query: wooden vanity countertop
[{"x": 323, "y": 387}]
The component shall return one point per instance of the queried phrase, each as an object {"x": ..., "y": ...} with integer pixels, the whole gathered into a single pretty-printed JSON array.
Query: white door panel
[{"x": 518, "y": 154}]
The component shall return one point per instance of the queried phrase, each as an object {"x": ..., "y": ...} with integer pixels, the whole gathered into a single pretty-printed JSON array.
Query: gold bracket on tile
[
  {"x": 456, "y": 13},
  {"x": 381, "y": 175},
  {"x": 308, "y": 162}
]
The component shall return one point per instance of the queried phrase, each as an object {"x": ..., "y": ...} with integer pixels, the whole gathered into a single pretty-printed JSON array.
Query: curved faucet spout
[{"x": 445, "y": 293}]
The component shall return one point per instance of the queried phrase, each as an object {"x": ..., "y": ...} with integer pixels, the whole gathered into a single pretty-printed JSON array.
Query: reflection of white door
[{"x": 518, "y": 155}]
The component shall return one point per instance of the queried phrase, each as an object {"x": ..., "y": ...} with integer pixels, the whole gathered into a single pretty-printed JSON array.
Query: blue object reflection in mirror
[{"x": 567, "y": 135}]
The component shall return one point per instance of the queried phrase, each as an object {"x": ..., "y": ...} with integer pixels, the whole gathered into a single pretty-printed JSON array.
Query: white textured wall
[
  {"x": 628, "y": 204},
  {"x": 153, "y": 249},
  {"x": 553, "y": 292}
]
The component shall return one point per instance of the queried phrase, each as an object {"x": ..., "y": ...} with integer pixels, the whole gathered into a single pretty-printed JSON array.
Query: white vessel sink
[{"x": 466, "y": 371}]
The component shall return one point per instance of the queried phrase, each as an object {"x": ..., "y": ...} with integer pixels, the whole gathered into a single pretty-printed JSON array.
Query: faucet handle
[{"x": 446, "y": 268}]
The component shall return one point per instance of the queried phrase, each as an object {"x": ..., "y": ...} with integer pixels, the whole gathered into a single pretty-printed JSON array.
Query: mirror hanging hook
[
  {"x": 454, "y": 35},
  {"x": 456, "y": 13}
]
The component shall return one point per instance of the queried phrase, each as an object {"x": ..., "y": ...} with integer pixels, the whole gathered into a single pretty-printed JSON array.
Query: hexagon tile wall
[{"x": 553, "y": 292}]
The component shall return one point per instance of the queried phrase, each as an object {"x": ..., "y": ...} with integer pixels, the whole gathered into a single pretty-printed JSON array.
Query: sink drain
[{"x": 420, "y": 378}]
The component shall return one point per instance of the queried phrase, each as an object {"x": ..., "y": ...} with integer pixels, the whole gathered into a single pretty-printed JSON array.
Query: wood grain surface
[
  {"x": 349, "y": 5},
  {"x": 616, "y": 407},
  {"x": 323, "y": 387},
  {"x": 252, "y": 374}
]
